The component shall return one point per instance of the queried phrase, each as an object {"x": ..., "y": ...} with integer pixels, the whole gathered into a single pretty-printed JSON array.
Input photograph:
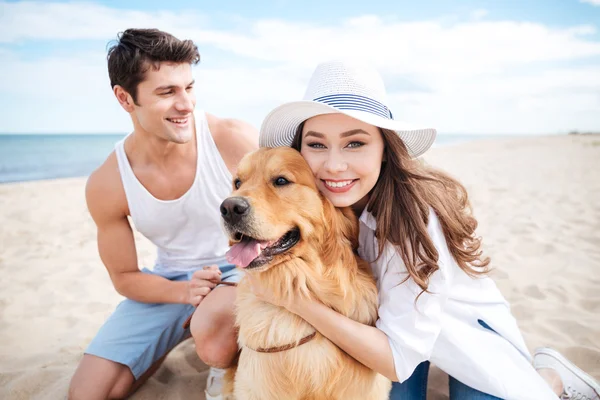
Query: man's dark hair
[{"x": 138, "y": 50}]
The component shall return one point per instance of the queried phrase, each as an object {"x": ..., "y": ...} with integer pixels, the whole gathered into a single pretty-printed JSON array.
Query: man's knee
[
  {"x": 96, "y": 378},
  {"x": 216, "y": 343},
  {"x": 79, "y": 391},
  {"x": 216, "y": 354},
  {"x": 213, "y": 330}
]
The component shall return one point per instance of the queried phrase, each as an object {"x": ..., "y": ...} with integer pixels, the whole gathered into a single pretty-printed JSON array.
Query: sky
[{"x": 481, "y": 67}]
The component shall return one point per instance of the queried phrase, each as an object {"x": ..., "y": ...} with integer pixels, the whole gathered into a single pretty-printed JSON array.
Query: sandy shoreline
[{"x": 538, "y": 205}]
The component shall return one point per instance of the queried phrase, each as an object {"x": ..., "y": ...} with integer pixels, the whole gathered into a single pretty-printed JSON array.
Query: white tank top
[{"x": 186, "y": 231}]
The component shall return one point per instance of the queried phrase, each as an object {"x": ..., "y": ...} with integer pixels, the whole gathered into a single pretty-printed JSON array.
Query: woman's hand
[
  {"x": 365, "y": 343},
  {"x": 290, "y": 302}
]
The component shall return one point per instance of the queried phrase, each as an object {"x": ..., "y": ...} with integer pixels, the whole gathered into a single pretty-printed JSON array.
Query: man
[{"x": 169, "y": 176}]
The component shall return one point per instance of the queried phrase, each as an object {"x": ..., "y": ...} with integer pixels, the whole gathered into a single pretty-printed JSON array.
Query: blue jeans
[{"x": 415, "y": 388}]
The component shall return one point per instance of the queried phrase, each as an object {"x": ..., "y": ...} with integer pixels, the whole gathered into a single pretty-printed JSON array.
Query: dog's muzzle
[{"x": 234, "y": 209}]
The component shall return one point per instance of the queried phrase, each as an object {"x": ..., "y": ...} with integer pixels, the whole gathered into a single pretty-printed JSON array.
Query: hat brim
[{"x": 280, "y": 125}]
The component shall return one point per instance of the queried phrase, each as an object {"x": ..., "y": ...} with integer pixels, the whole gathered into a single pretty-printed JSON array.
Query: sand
[{"x": 537, "y": 201}]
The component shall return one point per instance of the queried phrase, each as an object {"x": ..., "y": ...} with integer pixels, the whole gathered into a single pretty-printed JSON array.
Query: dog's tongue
[{"x": 244, "y": 252}]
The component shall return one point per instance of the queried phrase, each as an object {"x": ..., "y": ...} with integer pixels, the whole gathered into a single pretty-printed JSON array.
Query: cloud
[
  {"x": 475, "y": 76},
  {"x": 592, "y": 2},
  {"x": 479, "y": 14},
  {"x": 31, "y": 20}
]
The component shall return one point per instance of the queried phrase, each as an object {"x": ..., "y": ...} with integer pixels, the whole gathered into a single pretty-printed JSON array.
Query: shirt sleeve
[{"x": 413, "y": 327}]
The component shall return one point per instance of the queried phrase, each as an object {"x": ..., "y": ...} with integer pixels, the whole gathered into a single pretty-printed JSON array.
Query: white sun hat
[{"x": 354, "y": 89}]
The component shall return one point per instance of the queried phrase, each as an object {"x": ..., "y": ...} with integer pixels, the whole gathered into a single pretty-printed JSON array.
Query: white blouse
[{"x": 445, "y": 326}]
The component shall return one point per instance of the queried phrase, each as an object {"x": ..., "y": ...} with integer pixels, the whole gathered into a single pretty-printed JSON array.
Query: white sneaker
[
  {"x": 577, "y": 385},
  {"x": 214, "y": 384}
]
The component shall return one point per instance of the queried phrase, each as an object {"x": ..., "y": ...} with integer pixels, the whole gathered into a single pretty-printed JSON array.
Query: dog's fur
[{"x": 323, "y": 265}]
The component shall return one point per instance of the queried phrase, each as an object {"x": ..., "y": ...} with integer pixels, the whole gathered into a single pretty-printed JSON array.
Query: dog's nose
[{"x": 234, "y": 208}]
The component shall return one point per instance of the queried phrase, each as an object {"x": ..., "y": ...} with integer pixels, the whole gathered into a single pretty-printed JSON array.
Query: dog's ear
[
  {"x": 340, "y": 222},
  {"x": 349, "y": 222}
]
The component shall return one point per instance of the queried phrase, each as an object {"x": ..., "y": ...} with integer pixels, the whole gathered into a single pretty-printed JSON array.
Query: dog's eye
[
  {"x": 237, "y": 183},
  {"x": 280, "y": 181}
]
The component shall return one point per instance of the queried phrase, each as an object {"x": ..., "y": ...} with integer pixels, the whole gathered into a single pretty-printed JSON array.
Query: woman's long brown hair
[{"x": 400, "y": 203}]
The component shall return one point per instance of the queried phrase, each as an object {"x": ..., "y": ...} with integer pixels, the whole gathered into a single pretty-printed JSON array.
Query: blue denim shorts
[{"x": 138, "y": 334}]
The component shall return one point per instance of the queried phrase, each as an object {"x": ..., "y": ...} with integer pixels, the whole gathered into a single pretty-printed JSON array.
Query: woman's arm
[
  {"x": 407, "y": 329},
  {"x": 365, "y": 343}
]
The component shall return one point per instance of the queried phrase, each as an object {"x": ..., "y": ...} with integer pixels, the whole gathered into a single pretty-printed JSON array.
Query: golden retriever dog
[{"x": 285, "y": 233}]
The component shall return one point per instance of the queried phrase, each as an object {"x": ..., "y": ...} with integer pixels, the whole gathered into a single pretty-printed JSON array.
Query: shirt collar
[{"x": 368, "y": 219}]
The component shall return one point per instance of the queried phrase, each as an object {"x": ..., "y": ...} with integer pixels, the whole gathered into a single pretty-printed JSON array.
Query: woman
[{"x": 416, "y": 229}]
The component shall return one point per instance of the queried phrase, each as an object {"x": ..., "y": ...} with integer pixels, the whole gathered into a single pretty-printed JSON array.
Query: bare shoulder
[
  {"x": 234, "y": 138},
  {"x": 104, "y": 192}
]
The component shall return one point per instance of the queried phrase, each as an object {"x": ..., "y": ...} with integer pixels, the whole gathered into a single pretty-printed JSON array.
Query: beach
[{"x": 537, "y": 200}]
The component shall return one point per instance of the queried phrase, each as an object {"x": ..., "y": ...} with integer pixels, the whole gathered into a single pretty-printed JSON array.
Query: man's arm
[
  {"x": 234, "y": 139},
  {"x": 116, "y": 244}
]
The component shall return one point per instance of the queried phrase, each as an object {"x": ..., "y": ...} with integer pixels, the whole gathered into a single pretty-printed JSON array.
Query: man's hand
[{"x": 201, "y": 283}]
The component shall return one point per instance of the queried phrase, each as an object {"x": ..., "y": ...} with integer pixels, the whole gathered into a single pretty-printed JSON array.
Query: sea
[{"x": 32, "y": 157}]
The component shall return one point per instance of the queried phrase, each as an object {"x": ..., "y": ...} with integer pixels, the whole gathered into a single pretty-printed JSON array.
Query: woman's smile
[{"x": 339, "y": 186}]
